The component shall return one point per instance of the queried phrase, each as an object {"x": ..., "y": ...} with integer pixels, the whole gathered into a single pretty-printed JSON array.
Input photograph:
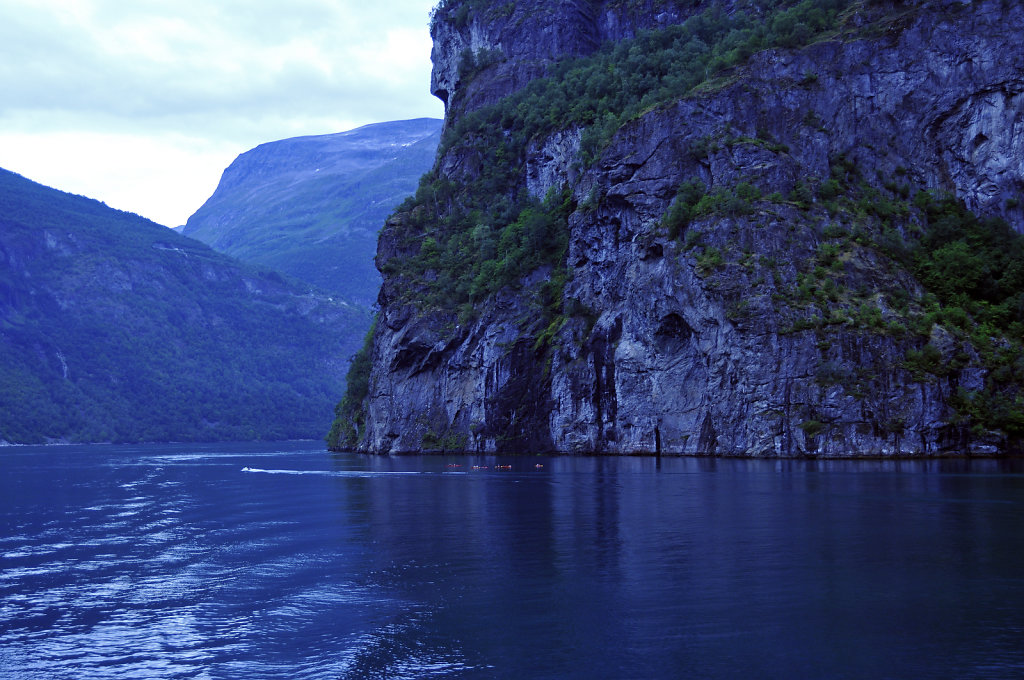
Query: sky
[{"x": 142, "y": 103}]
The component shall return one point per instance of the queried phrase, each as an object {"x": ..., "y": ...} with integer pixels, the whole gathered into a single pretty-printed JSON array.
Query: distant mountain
[
  {"x": 312, "y": 206},
  {"x": 113, "y": 328}
]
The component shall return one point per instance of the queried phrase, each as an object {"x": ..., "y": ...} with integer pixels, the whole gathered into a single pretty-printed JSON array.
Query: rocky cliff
[{"x": 809, "y": 248}]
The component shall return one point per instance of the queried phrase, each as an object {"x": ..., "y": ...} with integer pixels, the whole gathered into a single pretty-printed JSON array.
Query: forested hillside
[{"x": 113, "y": 328}]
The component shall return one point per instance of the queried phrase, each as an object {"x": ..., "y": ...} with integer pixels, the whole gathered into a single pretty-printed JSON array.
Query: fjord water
[{"x": 165, "y": 561}]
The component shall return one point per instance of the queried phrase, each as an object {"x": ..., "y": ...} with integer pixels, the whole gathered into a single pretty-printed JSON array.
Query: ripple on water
[
  {"x": 177, "y": 565},
  {"x": 404, "y": 649}
]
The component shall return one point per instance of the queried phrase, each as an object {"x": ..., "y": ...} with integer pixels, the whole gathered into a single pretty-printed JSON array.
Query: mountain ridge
[
  {"x": 311, "y": 206},
  {"x": 114, "y": 328}
]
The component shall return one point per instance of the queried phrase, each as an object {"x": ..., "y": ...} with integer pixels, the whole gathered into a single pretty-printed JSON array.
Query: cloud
[
  {"x": 153, "y": 60},
  {"x": 221, "y": 74}
]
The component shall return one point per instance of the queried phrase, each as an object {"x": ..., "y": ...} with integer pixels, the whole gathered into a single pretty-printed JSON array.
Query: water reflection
[
  {"x": 655, "y": 564},
  {"x": 170, "y": 562}
]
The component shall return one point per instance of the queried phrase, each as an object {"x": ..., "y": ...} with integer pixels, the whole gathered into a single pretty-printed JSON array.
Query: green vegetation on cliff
[
  {"x": 478, "y": 235},
  {"x": 974, "y": 267},
  {"x": 803, "y": 294},
  {"x": 463, "y": 240},
  {"x": 349, "y": 418},
  {"x": 622, "y": 80},
  {"x": 971, "y": 270},
  {"x": 467, "y": 259}
]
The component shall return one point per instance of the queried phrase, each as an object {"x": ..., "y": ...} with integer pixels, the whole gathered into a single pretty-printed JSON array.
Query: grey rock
[{"x": 680, "y": 359}]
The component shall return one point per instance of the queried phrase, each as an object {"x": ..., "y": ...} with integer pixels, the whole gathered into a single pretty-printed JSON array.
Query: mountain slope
[
  {"x": 113, "y": 328},
  {"x": 311, "y": 207},
  {"x": 771, "y": 228}
]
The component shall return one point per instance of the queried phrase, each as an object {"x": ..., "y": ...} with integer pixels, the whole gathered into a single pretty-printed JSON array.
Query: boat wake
[{"x": 347, "y": 473}]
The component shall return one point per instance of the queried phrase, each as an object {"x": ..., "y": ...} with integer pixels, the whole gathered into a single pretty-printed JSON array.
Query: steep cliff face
[
  {"x": 743, "y": 271},
  {"x": 509, "y": 44}
]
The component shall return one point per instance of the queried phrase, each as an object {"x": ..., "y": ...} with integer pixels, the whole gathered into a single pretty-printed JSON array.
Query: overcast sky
[{"x": 143, "y": 103}]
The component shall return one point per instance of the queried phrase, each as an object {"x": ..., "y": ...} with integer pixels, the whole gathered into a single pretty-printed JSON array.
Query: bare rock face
[
  {"x": 678, "y": 353},
  {"x": 515, "y": 42},
  {"x": 553, "y": 163}
]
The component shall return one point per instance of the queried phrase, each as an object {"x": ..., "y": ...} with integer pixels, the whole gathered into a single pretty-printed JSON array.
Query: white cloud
[{"x": 131, "y": 103}]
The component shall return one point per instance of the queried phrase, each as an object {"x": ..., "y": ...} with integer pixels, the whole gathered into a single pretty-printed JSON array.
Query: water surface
[{"x": 175, "y": 562}]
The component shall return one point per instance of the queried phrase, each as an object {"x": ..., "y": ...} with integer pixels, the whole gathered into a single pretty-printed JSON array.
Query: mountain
[
  {"x": 766, "y": 228},
  {"x": 113, "y": 328},
  {"x": 311, "y": 207}
]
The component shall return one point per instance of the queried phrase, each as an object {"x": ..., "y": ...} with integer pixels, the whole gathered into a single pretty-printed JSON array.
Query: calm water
[{"x": 173, "y": 562}]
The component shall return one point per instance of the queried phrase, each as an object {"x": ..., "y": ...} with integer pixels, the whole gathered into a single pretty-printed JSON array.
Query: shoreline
[{"x": 1016, "y": 455}]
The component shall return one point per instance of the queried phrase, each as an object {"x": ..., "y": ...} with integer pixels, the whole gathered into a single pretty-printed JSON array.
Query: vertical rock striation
[{"x": 699, "y": 342}]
